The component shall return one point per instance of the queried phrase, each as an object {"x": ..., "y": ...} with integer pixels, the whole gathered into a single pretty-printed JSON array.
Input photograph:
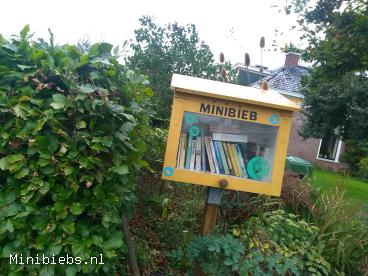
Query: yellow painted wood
[
  {"x": 233, "y": 92},
  {"x": 297, "y": 101},
  {"x": 188, "y": 102}
]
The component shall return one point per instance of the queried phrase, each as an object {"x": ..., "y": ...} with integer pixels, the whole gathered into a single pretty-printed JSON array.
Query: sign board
[{"x": 220, "y": 131}]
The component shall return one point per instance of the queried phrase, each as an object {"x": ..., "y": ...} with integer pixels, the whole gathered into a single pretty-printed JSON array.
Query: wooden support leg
[{"x": 212, "y": 207}]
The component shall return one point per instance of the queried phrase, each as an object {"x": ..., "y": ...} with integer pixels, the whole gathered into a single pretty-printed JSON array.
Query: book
[
  {"x": 232, "y": 159},
  {"x": 198, "y": 153},
  {"x": 226, "y": 128},
  {"x": 251, "y": 150},
  {"x": 209, "y": 155},
  {"x": 236, "y": 160},
  {"x": 258, "y": 150},
  {"x": 213, "y": 155},
  {"x": 267, "y": 153},
  {"x": 203, "y": 155},
  {"x": 223, "y": 157},
  {"x": 179, "y": 150},
  {"x": 243, "y": 150},
  {"x": 192, "y": 156},
  {"x": 218, "y": 157},
  {"x": 189, "y": 152},
  {"x": 236, "y": 138},
  {"x": 241, "y": 161},
  {"x": 227, "y": 155},
  {"x": 183, "y": 150}
]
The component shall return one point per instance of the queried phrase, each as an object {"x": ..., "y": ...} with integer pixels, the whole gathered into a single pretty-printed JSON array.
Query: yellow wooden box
[{"x": 246, "y": 130}]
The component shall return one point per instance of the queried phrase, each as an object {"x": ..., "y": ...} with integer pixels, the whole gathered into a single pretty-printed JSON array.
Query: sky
[{"x": 233, "y": 27}]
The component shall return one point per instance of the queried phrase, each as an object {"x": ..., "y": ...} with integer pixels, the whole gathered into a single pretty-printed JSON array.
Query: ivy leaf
[
  {"x": 76, "y": 208},
  {"x": 70, "y": 270},
  {"x": 123, "y": 169},
  {"x": 22, "y": 173},
  {"x": 115, "y": 241},
  {"x": 53, "y": 249},
  {"x": 79, "y": 249},
  {"x": 15, "y": 158},
  {"x": 7, "y": 226},
  {"x": 87, "y": 88},
  {"x": 4, "y": 163},
  {"x": 68, "y": 227},
  {"x": 116, "y": 109},
  {"x": 19, "y": 112},
  {"x": 81, "y": 124},
  {"x": 59, "y": 101},
  {"x": 24, "y": 67}
]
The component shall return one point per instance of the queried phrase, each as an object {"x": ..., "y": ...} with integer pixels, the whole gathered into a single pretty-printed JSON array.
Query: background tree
[
  {"x": 336, "y": 94},
  {"x": 158, "y": 52}
]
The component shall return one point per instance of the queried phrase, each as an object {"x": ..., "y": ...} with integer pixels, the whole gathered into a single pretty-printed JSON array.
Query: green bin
[{"x": 299, "y": 166}]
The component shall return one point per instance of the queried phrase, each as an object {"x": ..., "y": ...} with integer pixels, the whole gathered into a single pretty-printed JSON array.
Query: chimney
[{"x": 291, "y": 59}]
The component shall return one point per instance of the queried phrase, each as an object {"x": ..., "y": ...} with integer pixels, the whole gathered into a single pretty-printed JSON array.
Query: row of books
[{"x": 219, "y": 153}]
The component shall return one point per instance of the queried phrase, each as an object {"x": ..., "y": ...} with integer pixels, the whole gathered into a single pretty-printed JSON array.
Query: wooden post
[
  {"x": 210, "y": 219},
  {"x": 212, "y": 206},
  {"x": 129, "y": 243}
]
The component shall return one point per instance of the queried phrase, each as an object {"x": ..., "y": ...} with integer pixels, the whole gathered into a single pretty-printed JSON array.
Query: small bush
[
  {"x": 71, "y": 129},
  {"x": 356, "y": 154},
  {"x": 275, "y": 244},
  {"x": 298, "y": 195}
]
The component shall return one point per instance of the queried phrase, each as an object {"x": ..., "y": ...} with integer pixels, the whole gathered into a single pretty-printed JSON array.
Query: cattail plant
[
  {"x": 262, "y": 45},
  {"x": 264, "y": 85},
  {"x": 247, "y": 63},
  {"x": 247, "y": 60},
  {"x": 223, "y": 72},
  {"x": 222, "y": 57}
]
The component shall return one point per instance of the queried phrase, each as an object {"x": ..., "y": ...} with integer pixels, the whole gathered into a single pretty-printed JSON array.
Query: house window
[{"x": 329, "y": 148}]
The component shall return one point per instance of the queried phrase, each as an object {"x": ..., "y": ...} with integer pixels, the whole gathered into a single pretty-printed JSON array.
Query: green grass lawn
[{"x": 356, "y": 190}]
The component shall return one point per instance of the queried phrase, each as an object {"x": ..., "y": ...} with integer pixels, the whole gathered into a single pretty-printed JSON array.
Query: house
[
  {"x": 325, "y": 152},
  {"x": 251, "y": 74}
]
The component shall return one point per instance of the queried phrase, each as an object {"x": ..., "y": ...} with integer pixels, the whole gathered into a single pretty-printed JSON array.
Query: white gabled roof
[{"x": 233, "y": 92}]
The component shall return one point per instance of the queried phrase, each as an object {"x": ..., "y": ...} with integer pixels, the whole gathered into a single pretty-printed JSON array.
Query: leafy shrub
[
  {"x": 363, "y": 168},
  {"x": 342, "y": 226},
  {"x": 274, "y": 244},
  {"x": 298, "y": 195},
  {"x": 356, "y": 155},
  {"x": 71, "y": 128},
  {"x": 238, "y": 206}
]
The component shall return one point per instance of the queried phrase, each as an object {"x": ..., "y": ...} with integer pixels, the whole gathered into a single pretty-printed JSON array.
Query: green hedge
[{"x": 72, "y": 125}]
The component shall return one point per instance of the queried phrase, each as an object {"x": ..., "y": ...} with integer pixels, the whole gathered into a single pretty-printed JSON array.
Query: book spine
[
  {"x": 241, "y": 161},
  {"x": 218, "y": 157},
  {"x": 232, "y": 158},
  {"x": 189, "y": 152},
  {"x": 267, "y": 153},
  {"x": 183, "y": 150},
  {"x": 235, "y": 138},
  {"x": 235, "y": 156},
  {"x": 214, "y": 155},
  {"x": 198, "y": 153},
  {"x": 258, "y": 150},
  {"x": 237, "y": 160},
  {"x": 223, "y": 157},
  {"x": 209, "y": 155},
  {"x": 243, "y": 151},
  {"x": 192, "y": 157},
  {"x": 203, "y": 154},
  {"x": 179, "y": 151},
  {"x": 227, "y": 154}
]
